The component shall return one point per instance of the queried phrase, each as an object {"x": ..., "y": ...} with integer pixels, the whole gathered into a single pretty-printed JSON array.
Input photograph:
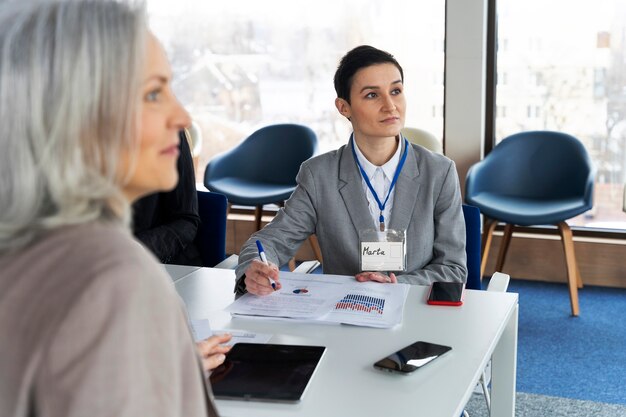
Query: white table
[
  {"x": 346, "y": 384},
  {"x": 177, "y": 272}
]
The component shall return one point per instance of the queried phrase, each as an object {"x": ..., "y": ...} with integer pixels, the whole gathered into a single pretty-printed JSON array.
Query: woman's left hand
[
  {"x": 377, "y": 277},
  {"x": 212, "y": 351}
]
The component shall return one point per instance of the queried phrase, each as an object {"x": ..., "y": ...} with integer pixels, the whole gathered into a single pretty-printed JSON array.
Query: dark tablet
[{"x": 266, "y": 372}]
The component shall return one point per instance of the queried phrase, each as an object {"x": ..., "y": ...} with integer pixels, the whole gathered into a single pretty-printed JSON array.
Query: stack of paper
[{"x": 328, "y": 298}]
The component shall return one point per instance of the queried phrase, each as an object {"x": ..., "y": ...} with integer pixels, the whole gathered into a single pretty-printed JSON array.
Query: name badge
[{"x": 382, "y": 251}]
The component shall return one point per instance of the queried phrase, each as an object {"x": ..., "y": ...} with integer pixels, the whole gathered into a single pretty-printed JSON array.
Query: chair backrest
[
  {"x": 499, "y": 282},
  {"x": 195, "y": 138},
  {"x": 472, "y": 246},
  {"x": 272, "y": 154},
  {"x": 536, "y": 164},
  {"x": 211, "y": 237},
  {"x": 423, "y": 138}
]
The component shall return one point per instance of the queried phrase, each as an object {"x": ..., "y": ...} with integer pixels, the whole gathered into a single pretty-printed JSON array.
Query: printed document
[{"x": 328, "y": 298}]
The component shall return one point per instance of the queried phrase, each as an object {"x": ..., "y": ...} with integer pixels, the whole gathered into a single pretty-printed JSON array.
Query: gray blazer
[{"x": 329, "y": 201}]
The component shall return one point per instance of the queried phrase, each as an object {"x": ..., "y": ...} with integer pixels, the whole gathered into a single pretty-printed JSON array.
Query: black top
[{"x": 167, "y": 223}]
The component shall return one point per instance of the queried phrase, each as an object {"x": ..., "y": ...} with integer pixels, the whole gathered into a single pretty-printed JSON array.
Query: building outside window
[
  {"x": 565, "y": 62},
  {"x": 244, "y": 64}
]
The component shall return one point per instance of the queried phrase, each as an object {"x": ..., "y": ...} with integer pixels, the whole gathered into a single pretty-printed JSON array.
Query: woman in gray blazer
[{"x": 377, "y": 181}]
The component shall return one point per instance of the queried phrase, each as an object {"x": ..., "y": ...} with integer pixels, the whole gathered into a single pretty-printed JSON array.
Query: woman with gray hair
[{"x": 90, "y": 324}]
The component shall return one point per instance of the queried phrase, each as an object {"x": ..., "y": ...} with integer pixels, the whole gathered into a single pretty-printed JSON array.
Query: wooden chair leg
[
  {"x": 258, "y": 214},
  {"x": 316, "y": 248},
  {"x": 489, "y": 227},
  {"x": 504, "y": 246},
  {"x": 292, "y": 261},
  {"x": 570, "y": 261}
]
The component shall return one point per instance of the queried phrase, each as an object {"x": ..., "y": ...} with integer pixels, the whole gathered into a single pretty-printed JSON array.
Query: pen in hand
[{"x": 264, "y": 259}]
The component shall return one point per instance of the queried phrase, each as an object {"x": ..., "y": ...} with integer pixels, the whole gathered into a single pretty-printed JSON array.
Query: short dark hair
[{"x": 359, "y": 57}]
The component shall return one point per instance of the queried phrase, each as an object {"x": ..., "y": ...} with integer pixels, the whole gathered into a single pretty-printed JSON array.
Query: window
[
  {"x": 503, "y": 79},
  {"x": 569, "y": 74},
  {"x": 243, "y": 64}
]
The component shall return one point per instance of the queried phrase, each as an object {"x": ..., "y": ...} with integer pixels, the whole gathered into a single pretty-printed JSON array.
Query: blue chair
[
  {"x": 211, "y": 236},
  {"x": 472, "y": 247},
  {"x": 262, "y": 169},
  {"x": 533, "y": 178}
]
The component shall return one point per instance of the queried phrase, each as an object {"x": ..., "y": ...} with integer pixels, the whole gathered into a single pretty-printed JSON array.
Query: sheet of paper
[
  {"x": 370, "y": 304},
  {"x": 328, "y": 298},
  {"x": 302, "y": 296},
  {"x": 242, "y": 336},
  {"x": 201, "y": 329}
]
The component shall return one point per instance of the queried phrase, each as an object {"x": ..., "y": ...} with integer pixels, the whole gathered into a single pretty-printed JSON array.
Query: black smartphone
[
  {"x": 412, "y": 357},
  {"x": 446, "y": 293}
]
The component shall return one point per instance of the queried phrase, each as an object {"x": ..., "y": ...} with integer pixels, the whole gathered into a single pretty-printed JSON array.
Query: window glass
[
  {"x": 243, "y": 64},
  {"x": 565, "y": 66}
]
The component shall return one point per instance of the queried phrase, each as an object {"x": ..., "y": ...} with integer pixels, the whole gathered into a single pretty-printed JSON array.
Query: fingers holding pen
[{"x": 258, "y": 277}]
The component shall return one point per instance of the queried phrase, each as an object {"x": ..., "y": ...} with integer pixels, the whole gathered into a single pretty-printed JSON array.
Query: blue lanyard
[{"x": 381, "y": 206}]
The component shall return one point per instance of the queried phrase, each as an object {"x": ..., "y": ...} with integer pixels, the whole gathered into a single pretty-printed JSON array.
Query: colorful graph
[{"x": 361, "y": 303}]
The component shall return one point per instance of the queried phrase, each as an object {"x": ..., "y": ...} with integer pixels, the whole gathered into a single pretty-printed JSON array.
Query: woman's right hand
[{"x": 257, "y": 281}]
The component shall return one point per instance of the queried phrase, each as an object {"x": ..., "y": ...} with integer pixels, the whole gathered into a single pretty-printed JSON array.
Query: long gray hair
[{"x": 69, "y": 105}]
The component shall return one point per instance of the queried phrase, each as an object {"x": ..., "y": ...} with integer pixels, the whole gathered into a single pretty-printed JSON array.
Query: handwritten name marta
[{"x": 375, "y": 252}]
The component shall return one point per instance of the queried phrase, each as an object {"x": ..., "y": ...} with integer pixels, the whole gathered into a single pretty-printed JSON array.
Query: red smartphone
[{"x": 446, "y": 293}]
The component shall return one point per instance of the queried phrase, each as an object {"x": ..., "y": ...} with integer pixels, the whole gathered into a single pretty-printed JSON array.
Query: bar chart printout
[
  {"x": 361, "y": 304},
  {"x": 328, "y": 298},
  {"x": 370, "y": 304}
]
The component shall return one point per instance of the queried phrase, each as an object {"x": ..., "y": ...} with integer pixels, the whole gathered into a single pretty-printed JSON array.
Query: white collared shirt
[{"x": 380, "y": 177}]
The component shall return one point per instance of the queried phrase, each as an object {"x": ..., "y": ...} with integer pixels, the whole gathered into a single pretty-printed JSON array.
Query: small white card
[
  {"x": 382, "y": 256},
  {"x": 382, "y": 251},
  {"x": 201, "y": 329}
]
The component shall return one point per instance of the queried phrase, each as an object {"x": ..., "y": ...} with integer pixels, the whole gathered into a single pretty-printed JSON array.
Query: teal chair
[
  {"x": 472, "y": 247},
  {"x": 533, "y": 178},
  {"x": 262, "y": 169},
  {"x": 211, "y": 236}
]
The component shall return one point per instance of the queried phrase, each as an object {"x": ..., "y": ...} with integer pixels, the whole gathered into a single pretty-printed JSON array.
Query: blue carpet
[{"x": 573, "y": 357}]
